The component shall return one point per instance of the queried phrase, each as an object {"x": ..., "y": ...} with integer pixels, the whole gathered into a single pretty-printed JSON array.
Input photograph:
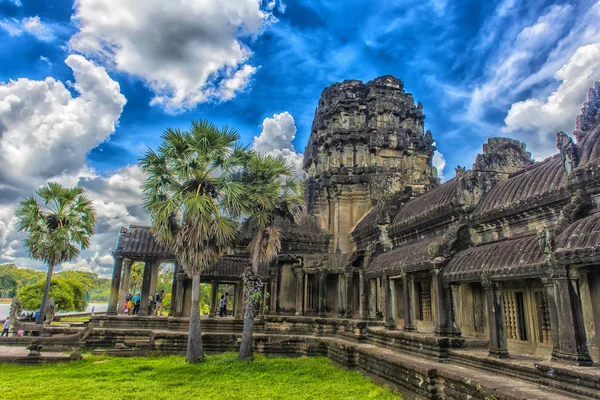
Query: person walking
[
  {"x": 221, "y": 305},
  {"x": 6, "y": 327},
  {"x": 159, "y": 303},
  {"x": 136, "y": 303}
]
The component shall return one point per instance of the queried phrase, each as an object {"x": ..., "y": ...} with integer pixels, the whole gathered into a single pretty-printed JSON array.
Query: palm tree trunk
[
  {"x": 194, "y": 353},
  {"x": 251, "y": 284},
  {"x": 41, "y": 314}
]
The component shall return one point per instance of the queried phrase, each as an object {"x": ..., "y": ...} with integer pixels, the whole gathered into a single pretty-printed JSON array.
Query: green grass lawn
[{"x": 220, "y": 377}]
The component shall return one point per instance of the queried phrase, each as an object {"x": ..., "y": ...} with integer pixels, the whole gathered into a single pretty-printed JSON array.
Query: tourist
[
  {"x": 6, "y": 327},
  {"x": 159, "y": 306},
  {"x": 20, "y": 332},
  {"x": 129, "y": 306},
  {"x": 136, "y": 303},
  {"x": 93, "y": 309},
  {"x": 151, "y": 305},
  {"x": 221, "y": 305}
]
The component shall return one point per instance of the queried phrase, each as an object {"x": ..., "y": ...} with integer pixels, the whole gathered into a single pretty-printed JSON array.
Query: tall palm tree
[
  {"x": 193, "y": 204},
  {"x": 59, "y": 223},
  {"x": 271, "y": 195}
]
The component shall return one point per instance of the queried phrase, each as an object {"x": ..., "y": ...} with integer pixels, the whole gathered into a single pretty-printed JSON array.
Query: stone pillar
[
  {"x": 362, "y": 292},
  {"x": 322, "y": 297},
  {"x": 146, "y": 280},
  {"x": 496, "y": 324},
  {"x": 299, "y": 291},
  {"x": 408, "y": 286},
  {"x": 239, "y": 300},
  {"x": 341, "y": 294},
  {"x": 173, "y": 291},
  {"x": 114, "y": 286},
  {"x": 154, "y": 277},
  {"x": 372, "y": 298},
  {"x": 124, "y": 286},
  {"x": 571, "y": 334},
  {"x": 442, "y": 326},
  {"x": 388, "y": 318},
  {"x": 452, "y": 291},
  {"x": 274, "y": 296},
  {"x": 179, "y": 293},
  {"x": 349, "y": 295},
  {"x": 214, "y": 298}
]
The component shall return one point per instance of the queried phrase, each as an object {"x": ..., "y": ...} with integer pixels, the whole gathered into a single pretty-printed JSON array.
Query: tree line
[{"x": 71, "y": 290}]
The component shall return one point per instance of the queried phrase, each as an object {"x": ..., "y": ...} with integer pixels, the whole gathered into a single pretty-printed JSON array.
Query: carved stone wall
[{"x": 367, "y": 141}]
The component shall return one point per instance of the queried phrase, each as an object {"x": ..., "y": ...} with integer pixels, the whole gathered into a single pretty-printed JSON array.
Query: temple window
[
  {"x": 424, "y": 299},
  {"x": 514, "y": 316}
]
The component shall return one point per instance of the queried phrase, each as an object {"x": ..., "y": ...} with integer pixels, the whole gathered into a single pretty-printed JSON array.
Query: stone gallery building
[{"x": 497, "y": 269}]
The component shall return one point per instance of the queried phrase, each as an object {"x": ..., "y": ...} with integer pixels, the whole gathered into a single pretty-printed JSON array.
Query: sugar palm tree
[
  {"x": 271, "y": 195},
  {"x": 59, "y": 223},
  {"x": 192, "y": 203}
]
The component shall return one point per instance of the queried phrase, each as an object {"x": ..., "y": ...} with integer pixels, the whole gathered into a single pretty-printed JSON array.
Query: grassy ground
[
  {"x": 75, "y": 319},
  {"x": 220, "y": 377}
]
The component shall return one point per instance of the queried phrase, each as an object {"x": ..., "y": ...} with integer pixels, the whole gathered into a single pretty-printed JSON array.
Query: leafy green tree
[
  {"x": 59, "y": 223},
  {"x": 13, "y": 278},
  {"x": 68, "y": 295},
  {"x": 193, "y": 203},
  {"x": 271, "y": 193},
  {"x": 135, "y": 277}
]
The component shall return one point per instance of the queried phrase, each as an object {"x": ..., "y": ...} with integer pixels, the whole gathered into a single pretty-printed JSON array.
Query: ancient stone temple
[{"x": 484, "y": 286}]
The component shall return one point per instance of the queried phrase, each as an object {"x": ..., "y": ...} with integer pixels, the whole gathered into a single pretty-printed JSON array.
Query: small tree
[
  {"x": 192, "y": 203},
  {"x": 59, "y": 223},
  {"x": 271, "y": 193}
]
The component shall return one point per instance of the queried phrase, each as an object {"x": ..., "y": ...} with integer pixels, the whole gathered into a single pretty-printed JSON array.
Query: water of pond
[{"x": 98, "y": 307}]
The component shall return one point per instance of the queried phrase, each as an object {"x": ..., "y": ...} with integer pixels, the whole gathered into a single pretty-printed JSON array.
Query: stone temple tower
[{"x": 367, "y": 142}]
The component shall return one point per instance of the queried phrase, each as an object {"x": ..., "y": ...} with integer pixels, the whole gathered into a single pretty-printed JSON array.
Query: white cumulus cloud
[
  {"x": 187, "y": 52},
  {"x": 557, "y": 112},
  {"x": 276, "y": 140},
  {"x": 45, "y": 134},
  {"x": 439, "y": 162},
  {"x": 31, "y": 25}
]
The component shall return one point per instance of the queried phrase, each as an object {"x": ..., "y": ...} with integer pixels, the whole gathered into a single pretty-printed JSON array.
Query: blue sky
[{"x": 495, "y": 68}]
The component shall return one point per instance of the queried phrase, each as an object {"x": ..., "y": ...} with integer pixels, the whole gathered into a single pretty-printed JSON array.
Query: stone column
[
  {"x": 372, "y": 298},
  {"x": 341, "y": 292},
  {"x": 154, "y": 277},
  {"x": 349, "y": 295},
  {"x": 442, "y": 327},
  {"x": 179, "y": 293},
  {"x": 214, "y": 298},
  {"x": 363, "y": 290},
  {"x": 408, "y": 286},
  {"x": 146, "y": 280},
  {"x": 173, "y": 291},
  {"x": 114, "y": 286},
  {"x": 299, "y": 291},
  {"x": 239, "y": 300},
  {"x": 496, "y": 324},
  {"x": 388, "y": 318},
  {"x": 274, "y": 296},
  {"x": 452, "y": 291},
  {"x": 571, "y": 335},
  {"x": 124, "y": 285},
  {"x": 322, "y": 297}
]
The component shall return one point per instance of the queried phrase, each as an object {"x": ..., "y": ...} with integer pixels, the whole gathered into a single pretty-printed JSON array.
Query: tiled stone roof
[
  {"x": 580, "y": 241},
  {"x": 539, "y": 180},
  {"x": 511, "y": 258},
  {"x": 410, "y": 257},
  {"x": 138, "y": 242},
  {"x": 430, "y": 203}
]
